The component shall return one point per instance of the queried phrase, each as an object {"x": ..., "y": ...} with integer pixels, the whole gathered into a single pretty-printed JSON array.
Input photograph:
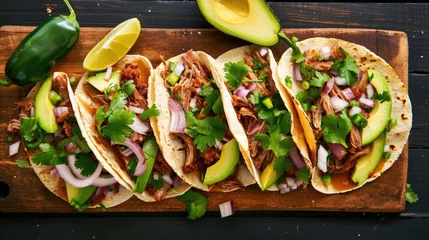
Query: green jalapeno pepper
[
  {"x": 35, "y": 144},
  {"x": 37, "y": 54}
]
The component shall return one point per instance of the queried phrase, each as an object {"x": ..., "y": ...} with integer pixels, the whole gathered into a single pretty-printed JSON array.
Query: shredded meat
[
  {"x": 191, "y": 155},
  {"x": 230, "y": 185},
  {"x": 317, "y": 115},
  {"x": 64, "y": 116},
  {"x": 253, "y": 145},
  {"x": 23, "y": 106},
  {"x": 364, "y": 114},
  {"x": 160, "y": 160},
  {"x": 336, "y": 52},
  {"x": 136, "y": 99},
  {"x": 349, "y": 163},
  {"x": 137, "y": 137},
  {"x": 239, "y": 102},
  {"x": 162, "y": 192},
  {"x": 267, "y": 69},
  {"x": 59, "y": 84},
  {"x": 259, "y": 160},
  {"x": 312, "y": 61},
  {"x": 130, "y": 72},
  {"x": 245, "y": 112},
  {"x": 355, "y": 138},
  {"x": 210, "y": 155},
  {"x": 14, "y": 126},
  {"x": 336, "y": 91},
  {"x": 67, "y": 129},
  {"x": 326, "y": 104}
]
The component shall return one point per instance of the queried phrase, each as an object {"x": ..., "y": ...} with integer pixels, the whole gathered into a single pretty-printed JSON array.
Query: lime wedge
[{"x": 113, "y": 46}]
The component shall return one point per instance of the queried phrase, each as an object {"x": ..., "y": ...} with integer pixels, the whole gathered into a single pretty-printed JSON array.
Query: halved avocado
[
  {"x": 100, "y": 83},
  {"x": 380, "y": 115},
  {"x": 226, "y": 164},
  {"x": 78, "y": 196},
  {"x": 251, "y": 20},
  {"x": 366, "y": 164},
  {"x": 44, "y": 108}
]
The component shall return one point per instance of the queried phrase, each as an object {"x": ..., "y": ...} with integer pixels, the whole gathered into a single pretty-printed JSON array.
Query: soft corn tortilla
[
  {"x": 237, "y": 129},
  {"x": 172, "y": 147},
  {"x": 365, "y": 59},
  {"x": 54, "y": 182},
  {"x": 101, "y": 146}
]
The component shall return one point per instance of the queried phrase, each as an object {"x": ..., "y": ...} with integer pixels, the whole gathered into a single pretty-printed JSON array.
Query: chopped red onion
[
  {"x": 290, "y": 182},
  {"x": 136, "y": 109},
  {"x": 322, "y": 159},
  {"x": 193, "y": 103},
  {"x": 251, "y": 86},
  {"x": 348, "y": 93},
  {"x": 139, "y": 126},
  {"x": 127, "y": 152},
  {"x": 155, "y": 176},
  {"x": 68, "y": 176},
  {"x": 340, "y": 81},
  {"x": 226, "y": 209},
  {"x": 337, "y": 150},
  {"x": 141, "y": 164},
  {"x": 386, "y": 148},
  {"x": 263, "y": 51},
  {"x": 176, "y": 181},
  {"x": 325, "y": 52},
  {"x": 71, "y": 159},
  {"x": 14, "y": 148},
  {"x": 167, "y": 179},
  {"x": 108, "y": 73},
  {"x": 366, "y": 103},
  {"x": 296, "y": 73},
  {"x": 241, "y": 92},
  {"x": 178, "y": 119},
  {"x": 218, "y": 145},
  {"x": 296, "y": 159},
  {"x": 32, "y": 112},
  {"x": 363, "y": 96},
  {"x": 179, "y": 68},
  {"x": 328, "y": 86},
  {"x": 369, "y": 90},
  {"x": 334, "y": 73},
  {"x": 140, "y": 169},
  {"x": 254, "y": 128},
  {"x": 104, "y": 181},
  {"x": 355, "y": 110},
  {"x": 54, "y": 172},
  {"x": 60, "y": 110},
  {"x": 338, "y": 104}
]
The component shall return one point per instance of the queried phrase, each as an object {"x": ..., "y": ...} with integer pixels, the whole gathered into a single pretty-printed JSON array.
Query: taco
[
  {"x": 57, "y": 150},
  {"x": 263, "y": 119},
  {"x": 192, "y": 128},
  {"x": 354, "y": 109},
  {"x": 116, "y": 117}
]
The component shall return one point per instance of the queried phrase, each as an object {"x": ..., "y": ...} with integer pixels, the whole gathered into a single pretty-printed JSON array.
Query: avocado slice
[
  {"x": 226, "y": 164},
  {"x": 252, "y": 21},
  {"x": 79, "y": 196},
  {"x": 366, "y": 164},
  {"x": 101, "y": 84},
  {"x": 269, "y": 176},
  {"x": 380, "y": 115},
  {"x": 44, "y": 108}
]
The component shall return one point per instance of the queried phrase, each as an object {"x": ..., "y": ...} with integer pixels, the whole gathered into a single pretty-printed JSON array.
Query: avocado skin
[
  {"x": 366, "y": 164},
  {"x": 225, "y": 165},
  {"x": 100, "y": 83},
  {"x": 260, "y": 26},
  {"x": 380, "y": 114},
  {"x": 44, "y": 108}
]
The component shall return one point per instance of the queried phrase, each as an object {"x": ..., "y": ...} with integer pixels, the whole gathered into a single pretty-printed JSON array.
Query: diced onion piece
[
  {"x": 369, "y": 90},
  {"x": 355, "y": 110},
  {"x": 127, "y": 152},
  {"x": 108, "y": 73},
  {"x": 241, "y": 92},
  {"x": 218, "y": 145},
  {"x": 198, "y": 90},
  {"x": 179, "y": 68},
  {"x": 366, "y": 103},
  {"x": 136, "y": 109},
  {"x": 104, "y": 181},
  {"x": 254, "y": 128},
  {"x": 322, "y": 158},
  {"x": 338, "y": 104},
  {"x": 337, "y": 150},
  {"x": 290, "y": 182},
  {"x": 296, "y": 73},
  {"x": 348, "y": 93},
  {"x": 54, "y": 172},
  {"x": 32, "y": 112},
  {"x": 226, "y": 209},
  {"x": 140, "y": 169},
  {"x": 263, "y": 51},
  {"x": 193, "y": 103},
  {"x": 60, "y": 110},
  {"x": 328, "y": 86},
  {"x": 155, "y": 176},
  {"x": 386, "y": 148},
  {"x": 251, "y": 86},
  {"x": 14, "y": 148},
  {"x": 139, "y": 126},
  {"x": 363, "y": 96},
  {"x": 68, "y": 176},
  {"x": 178, "y": 119},
  {"x": 296, "y": 159},
  {"x": 167, "y": 179},
  {"x": 176, "y": 181},
  {"x": 141, "y": 164},
  {"x": 340, "y": 81},
  {"x": 325, "y": 52}
]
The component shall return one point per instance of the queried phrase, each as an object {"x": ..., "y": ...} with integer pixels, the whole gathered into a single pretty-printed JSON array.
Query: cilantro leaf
[
  {"x": 263, "y": 76},
  {"x": 206, "y": 91},
  {"x": 211, "y": 126},
  {"x": 204, "y": 131},
  {"x": 383, "y": 97},
  {"x": 354, "y": 103},
  {"x": 190, "y": 119},
  {"x": 99, "y": 117},
  {"x": 202, "y": 141},
  {"x": 22, "y": 163},
  {"x": 274, "y": 143},
  {"x": 117, "y": 128},
  {"x": 211, "y": 101},
  {"x": 319, "y": 79},
  {"x": 29, "y": 129},
  {"x": 235, "y": 73},
  {"x": 257, "y": 98},
  {"x": 411, "y": 196},
  {"x": 132, "y": 164},
  {"x": 303, "y": 174},
  {"x": 157, "y": 184},
  {"x": 218, "y": 106},
  {"x": 288, "y": 82},
  {"x": 335, "y": 129},
  {"x": 128, "y": 87},
  {"x": 281, "y": 165},
  {"x": 151, "y": 112},
  {"x": 86, "y": 163},
  {"x": 118, "y": 102},
  {"x": 257, "y": 65},
  {"x": 195, "y": 202},
  {"x": 346, "y": 68},
  {"x": 285, "y": 123},
  {"x": 48, "y": 156}
]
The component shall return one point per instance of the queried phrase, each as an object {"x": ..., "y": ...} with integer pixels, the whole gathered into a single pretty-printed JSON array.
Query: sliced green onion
[
  {"x": 387, "y": 155},
  {"x": 313, "y": 107},
  {"x": 306, "y": 106},
  {"x": 9, "y": 139},
  {"x": 172, "y": 66},
  {"x": 305, "y": 85},
  {"x": 172, "y": 78},
  {"x": 268, "y": 103},
  {"x": 326, "y": 178},
  {"x": 55, "y": 97},
  {"x": 359, "y": 120},
  {"x": 72, "y": 80}
]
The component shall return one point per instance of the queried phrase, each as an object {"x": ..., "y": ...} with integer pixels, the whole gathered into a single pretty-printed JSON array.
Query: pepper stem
[{"x": 72, "y": 17}]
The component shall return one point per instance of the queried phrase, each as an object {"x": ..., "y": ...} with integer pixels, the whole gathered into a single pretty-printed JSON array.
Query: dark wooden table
[{"x": 412, "y": 18}]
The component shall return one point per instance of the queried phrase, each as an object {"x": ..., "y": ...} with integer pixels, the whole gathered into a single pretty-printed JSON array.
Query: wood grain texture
[{"x": 27, "y": 194}]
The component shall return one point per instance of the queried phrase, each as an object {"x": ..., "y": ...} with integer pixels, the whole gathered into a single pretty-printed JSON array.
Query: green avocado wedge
[
  {"x": 101, "y": 84},
  {"x": 250, "y": 20},
  {"x": 366, "y": 164},
  {"x": 380, "y": 115},
  {"x": 269, "y": 176},
  {"x": 44, "y": 108},
  {"x": 79, "y": 196},
  {"x": 226, "y": 164}
]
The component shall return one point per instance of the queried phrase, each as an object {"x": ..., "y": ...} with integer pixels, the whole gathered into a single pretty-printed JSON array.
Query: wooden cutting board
[{"x": 25, "y": 193}]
